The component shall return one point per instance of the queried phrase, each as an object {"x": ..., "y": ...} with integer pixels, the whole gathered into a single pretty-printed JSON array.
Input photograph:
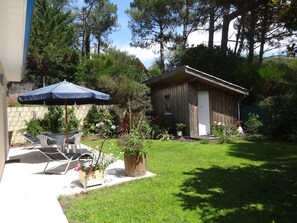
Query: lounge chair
[
  {"x": 47, "y": 141},
  {"x": 32, "y": 139},
  {"x": 74, "y": 142},
  {"x": 54, "y": 154}
]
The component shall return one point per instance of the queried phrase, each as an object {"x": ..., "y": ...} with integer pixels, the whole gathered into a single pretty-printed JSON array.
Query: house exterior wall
[
  {"x": 3, "y": 123},
  {"x": 170, "y": 103},
  {"x": 184, "y": 104},
  {"x": 222, "y": 104}
]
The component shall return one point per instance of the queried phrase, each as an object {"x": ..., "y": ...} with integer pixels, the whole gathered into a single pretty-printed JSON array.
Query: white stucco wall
[{"x": 3, "y": 123}]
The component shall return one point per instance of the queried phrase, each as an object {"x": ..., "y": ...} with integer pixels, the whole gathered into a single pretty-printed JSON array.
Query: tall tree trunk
[
  {"x": 238, "y": 34},
  {"x": 263, "y": 33},
  {"x": 251, "y": 36},
  {"x": 162, "y": 62},
  {"x": 211, "y": 27},
  {"x": 229, "y": 17},
  {"x": 185, "y": 27},
  {"x": 99, "y": 45},
  {"x": 242, "y": 35},
  {"x": 88, "y": 43},
  {"x": 225, "y": 31}
]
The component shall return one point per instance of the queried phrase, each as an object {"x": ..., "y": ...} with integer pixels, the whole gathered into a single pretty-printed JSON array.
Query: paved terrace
[{"x": 29, "y": 195}]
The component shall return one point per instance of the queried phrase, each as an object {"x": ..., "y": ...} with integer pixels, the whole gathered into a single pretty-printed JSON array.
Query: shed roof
[{"x": 186, "y": 71}]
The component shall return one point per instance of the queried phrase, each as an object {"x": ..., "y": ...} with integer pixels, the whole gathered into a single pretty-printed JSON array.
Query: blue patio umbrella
[{"x": 63, "y": 93}]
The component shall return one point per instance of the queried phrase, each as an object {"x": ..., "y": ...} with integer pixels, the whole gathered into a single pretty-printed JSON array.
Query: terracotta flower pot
[{"x": 135, "y": 165}]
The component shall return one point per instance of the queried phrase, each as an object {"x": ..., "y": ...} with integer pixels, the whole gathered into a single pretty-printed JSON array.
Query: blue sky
[{"x": 122, "y": 38}]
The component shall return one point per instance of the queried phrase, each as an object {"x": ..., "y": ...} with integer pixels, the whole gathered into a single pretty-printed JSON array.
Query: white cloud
[{"x": 146, "y": 56}]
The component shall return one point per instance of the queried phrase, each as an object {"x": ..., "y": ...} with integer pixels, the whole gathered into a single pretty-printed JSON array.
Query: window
[{"x": 167, "y": 105}]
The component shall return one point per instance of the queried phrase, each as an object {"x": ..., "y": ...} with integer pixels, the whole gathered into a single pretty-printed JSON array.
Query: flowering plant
[
  {"x": 225, "y": 132},
  {"x": 99, "y": 161},
  {"x": 133, "y": 143}
]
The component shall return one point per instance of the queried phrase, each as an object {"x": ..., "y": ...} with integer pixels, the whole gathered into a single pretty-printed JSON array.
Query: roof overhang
[
  {"x": 189, "y": 72},
  {"x": 15, "y": 24}
]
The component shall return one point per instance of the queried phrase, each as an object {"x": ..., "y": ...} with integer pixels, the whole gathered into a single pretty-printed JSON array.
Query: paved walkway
[{"x": 29, "y": 195}]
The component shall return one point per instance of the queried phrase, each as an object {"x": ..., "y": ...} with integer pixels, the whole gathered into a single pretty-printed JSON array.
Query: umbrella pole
[{"x": 66, "y": 117}]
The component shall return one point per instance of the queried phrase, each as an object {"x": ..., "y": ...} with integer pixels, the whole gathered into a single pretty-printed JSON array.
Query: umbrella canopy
[
  {"x": 58, "y": 94},
  {"x": 63, "y": 93}
]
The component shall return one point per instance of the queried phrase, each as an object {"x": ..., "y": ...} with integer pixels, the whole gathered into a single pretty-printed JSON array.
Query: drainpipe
[{"x": 238, "y": 107}]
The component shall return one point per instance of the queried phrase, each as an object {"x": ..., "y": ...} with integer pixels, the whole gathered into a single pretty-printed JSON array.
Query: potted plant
[
  {"x": 135, "y": 149},
  {"x": 91, "y": 170},
  {"x": 179, "y": 128}
]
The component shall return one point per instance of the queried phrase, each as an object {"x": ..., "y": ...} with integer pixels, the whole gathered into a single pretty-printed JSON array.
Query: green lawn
[{"x": 243, "y": 182}]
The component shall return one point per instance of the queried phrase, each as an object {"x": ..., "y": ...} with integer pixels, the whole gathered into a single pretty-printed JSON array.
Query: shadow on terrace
[{"x": 264, "y": 192}]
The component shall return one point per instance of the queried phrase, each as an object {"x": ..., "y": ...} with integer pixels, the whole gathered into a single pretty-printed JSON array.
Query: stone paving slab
[{"x": 29, "y": 195}]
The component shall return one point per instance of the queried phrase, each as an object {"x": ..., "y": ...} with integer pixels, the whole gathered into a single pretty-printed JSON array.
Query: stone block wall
[{"x": 17, "y": 117}]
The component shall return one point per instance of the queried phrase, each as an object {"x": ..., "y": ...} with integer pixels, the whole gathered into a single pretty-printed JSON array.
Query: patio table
[{"x": 60, "y": 138}]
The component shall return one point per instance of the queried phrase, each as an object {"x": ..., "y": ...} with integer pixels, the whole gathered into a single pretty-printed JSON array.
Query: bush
[
  {"x": 90, "y": 121},
  {"x": 253, "y": 124},
  {"x": 73, "y": 122},
  {"x": 225, "y": 132},
  {"x": 53, "y": 121},
  {"x": 100, "y": 122},
  {"x": 147, "y": 130},
  {"x": 34, "y": 127}
]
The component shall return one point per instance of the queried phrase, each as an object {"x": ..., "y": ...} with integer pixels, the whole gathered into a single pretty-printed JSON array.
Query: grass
[{"x": 240, "y": 182}]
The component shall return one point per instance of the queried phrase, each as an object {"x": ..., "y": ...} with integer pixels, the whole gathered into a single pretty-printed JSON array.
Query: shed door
[{"x": 203, "y": 113}]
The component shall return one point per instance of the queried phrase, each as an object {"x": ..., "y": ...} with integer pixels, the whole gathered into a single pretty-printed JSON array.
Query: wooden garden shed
[{"x": 197, "y": 99}]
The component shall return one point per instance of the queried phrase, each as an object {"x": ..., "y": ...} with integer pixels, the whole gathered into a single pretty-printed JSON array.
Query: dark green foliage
[
  {"x": 53, "y": 120},
  {"x": 34, "y": 127},
  {"x": 72, "y": 120},
  {"x": 253, "y": 124},
  {"x": 120, "y": 75},
  {"x": 209, "y": 61},
  {"x": 91, "y": 119},
  {"x": 280, "y": 91},
  {"x": 147, "y": 130},
  {"x": 50, "y": 56},
  {"x": 100, "y": 122}
]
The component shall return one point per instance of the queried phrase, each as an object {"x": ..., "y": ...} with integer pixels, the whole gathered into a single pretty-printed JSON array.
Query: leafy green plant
[
  {"x": 180, "y": 126},
  {"x": 99, "y": 122},
  {"x": 99, "y": 161},
  {"x": 34, "y": 127},
  {"x": 164, "y": 135},
  {"x": 147, "y": 130},
  {"x": 224, "y": 132},
  {"x": 91, "y": 119},
  {"x": 53, "y": 120},
  {"x": 253, "y": 124},
  {"x": 73, "y": 122},
  {"x": 133, "y": 143}
]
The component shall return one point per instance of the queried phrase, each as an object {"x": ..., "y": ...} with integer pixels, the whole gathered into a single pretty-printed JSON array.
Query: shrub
[
  {"x": 253, "y": 124},
  {"x": 53, "y": 121},
  {"x": 225, "y": 132},
  {"x": 73, "y": 122},
  {"x": 133, "y": 143},
  {"x": 147, "y": 130},
  {"x": 34, "y": 127},
  {"x": 100, "y": 122}
]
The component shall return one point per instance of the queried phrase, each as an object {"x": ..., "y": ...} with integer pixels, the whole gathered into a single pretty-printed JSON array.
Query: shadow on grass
[
  {"x": 264, "y": 151},
  {"x": 245, "y": 194}
]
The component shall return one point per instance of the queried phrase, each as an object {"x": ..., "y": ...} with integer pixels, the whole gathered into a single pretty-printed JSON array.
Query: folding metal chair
[
  {"x": 32, "y": 139},
  {"x": 54, "y": 154}
]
